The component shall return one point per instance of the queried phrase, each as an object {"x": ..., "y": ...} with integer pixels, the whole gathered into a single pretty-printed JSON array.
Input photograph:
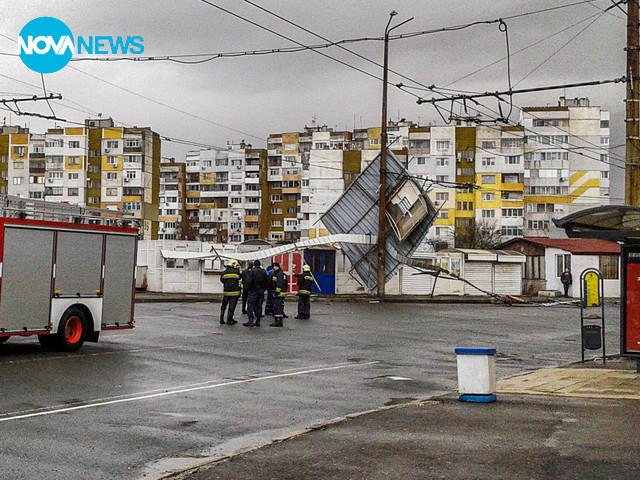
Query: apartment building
[
  {"x": 224, "y": 194},
  {"x": 95, "y": 165},
  {"x": 172, "y": 214},
  {"x": 566, "y": 161}
]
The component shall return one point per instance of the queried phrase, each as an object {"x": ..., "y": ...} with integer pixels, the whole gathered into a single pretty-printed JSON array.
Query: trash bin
[
  {"x": 476, "y": 374},
  {"x": 591, "y": 337}
]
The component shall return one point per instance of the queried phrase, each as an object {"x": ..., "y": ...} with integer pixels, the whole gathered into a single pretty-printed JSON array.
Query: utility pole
[
  {"x": 383, "y": 158},
  {"x": 632, "y": 156}
]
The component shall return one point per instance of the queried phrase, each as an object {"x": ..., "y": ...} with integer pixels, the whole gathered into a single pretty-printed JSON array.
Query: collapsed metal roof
[{"x": 356, "y": 212}]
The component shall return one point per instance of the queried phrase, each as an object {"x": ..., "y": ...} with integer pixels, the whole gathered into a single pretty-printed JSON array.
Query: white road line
[{"x": 180, "y": 390}]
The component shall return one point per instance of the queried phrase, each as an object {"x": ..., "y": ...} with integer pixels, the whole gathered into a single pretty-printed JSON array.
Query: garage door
[
  {"x": 508, "y": 278},
  {"x": 480, "y": 275},
  {"x": 415, "y": 284}
]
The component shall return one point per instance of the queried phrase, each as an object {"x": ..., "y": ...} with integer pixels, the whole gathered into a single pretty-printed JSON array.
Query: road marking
[{"x": 188, "y": 389}]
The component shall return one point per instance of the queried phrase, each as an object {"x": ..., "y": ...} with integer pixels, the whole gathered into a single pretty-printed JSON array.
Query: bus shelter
[{"x": 622, "y": 224}]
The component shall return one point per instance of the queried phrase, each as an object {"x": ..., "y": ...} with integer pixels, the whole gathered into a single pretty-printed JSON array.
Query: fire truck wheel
[
  {"x": 72, "y": 330},
  {"x": 3, "y": 339}
]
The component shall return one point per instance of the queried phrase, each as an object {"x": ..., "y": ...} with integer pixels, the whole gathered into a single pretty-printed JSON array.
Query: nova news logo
[{"x": 46, "y": 45}]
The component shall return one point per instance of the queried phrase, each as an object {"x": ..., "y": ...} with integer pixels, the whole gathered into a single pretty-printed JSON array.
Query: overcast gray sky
[{"x": 251, "y": 96}]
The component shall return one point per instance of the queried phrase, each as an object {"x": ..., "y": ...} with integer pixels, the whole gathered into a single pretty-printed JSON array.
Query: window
[
  {"x": 442, "y": 178},
  {"x": 112, "y": 160},
  {"x": 488, "y": 179},
  {"x": 443, "y": 214},
  {"x": 534, "y": 268},
  {"x": 442, "y": 196},
  {"x": 373, "y": 141},
  {"x": 236, "y": 200},
  {"x": 133, "y": 158},
  {"x": 512, "y": 232},
  {"x": 604, "y": 140},
  {"x": 72, "y": 192},
  {"x": 55, "y": 175},
  {"x": 74, "y": 160},
  {"x": 53, "y": 143},
  {"x": 276, "y": 211},
  {"x": 130, "y": 174},
  {"x": 131, "y": 143},
  {"x": 236, "y": 188},
  {"x": 131, "y": 206},
  {"x": 18, "y": 165},
  {"x": 511, "y": 178},
  {"x": 465, "y": 205},
  {"x": 276, "y": 223},
  {"x": 609, "y": 267},
  {"x": 466, "y": 172},
  {"x": 538, "y": 224},
  {"x": 112, "y": 192},
  {"x": 19, "y": 151},
  {"x": 74, "y": 144},
  {"x": 488, "y": 213},
  {"x": 292, "y": 210},
  {"x": 442, "y": 144},
  {"x": 562, "y": 262},
  {"x": 73, "y": 176},
  {"x": 488, "y": 161},
  {"x": 604, "y": 124},
  {"x": 442, "y": 162},
  {"x": 604, "y": 174},
  {"x": 275, "y": 198},
  {"x": 512, "y": 160},
  {"x": 421, "y": 161},
  {"x": 488, "y": 197},
  {"x": 512, "y": 212},
  {"x": 486, "y": 144},
  {"x": 17, "y": 180},
  {"x": 35, "y": 195},
  {"x": 112, "y": 144},
  {"x": 305, "y": 183},
  {"x": 511, "y": 142},
  {"x": 222, "y": 162}
]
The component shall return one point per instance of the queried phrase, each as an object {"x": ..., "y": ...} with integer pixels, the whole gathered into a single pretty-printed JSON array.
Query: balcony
[
  {"x": 252, "y": 193},
  {"x": 291, "y": 190},
  {"x": 274, "y": 151},
  {"x": 252, "y": 231},
  {"x": 55, "y": 165},
  {"x": 251, "y": 218},
  {"x": 252, "y": 168}
]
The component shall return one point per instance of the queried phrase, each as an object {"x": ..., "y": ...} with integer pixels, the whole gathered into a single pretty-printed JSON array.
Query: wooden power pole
[{"x": 632, "y": 156}]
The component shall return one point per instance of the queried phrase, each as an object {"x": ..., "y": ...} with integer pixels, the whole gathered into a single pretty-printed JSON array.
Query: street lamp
[{"x": 383, "y": 157}]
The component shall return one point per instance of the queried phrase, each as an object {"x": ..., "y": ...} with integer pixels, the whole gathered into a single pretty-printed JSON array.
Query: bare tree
[{"x": 482, "y": 234}]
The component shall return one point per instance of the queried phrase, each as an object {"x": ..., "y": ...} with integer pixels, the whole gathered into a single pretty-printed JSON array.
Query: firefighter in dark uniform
[
  {"x": 255, "y": 284},
  {"x": 305, "y": 282},
  {"x": 245, "y": 291},
  {"x": 268, "y": 306},
  {"x": 280, "y": 282},
  {"x": 231, "y": 286}
]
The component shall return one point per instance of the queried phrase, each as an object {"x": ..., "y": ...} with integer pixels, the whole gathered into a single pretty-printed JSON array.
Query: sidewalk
[
  {"x": 143, "y": 296},
  {"x": 561, "y": 423}
]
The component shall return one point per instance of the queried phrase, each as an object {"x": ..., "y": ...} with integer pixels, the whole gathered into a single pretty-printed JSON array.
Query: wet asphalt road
[{"x": 180, "y": 386}]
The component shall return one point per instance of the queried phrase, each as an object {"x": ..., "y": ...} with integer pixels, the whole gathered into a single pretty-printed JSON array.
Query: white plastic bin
[{"x": 476, "y": 374}]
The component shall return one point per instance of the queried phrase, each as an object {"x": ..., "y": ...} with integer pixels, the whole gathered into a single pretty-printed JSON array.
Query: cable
[{"x": 558, "y": 50}]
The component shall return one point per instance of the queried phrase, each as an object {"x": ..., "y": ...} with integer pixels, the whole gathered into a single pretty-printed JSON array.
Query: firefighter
[
  {"x": 245, "y": 291},
  {"x": 279, "y": 280},
  {"x": 305, "y": 282},
  {"x": 268, "y": 307},
  {"x": 255, "y": 284},
  {"x": 232, "y": 284}
]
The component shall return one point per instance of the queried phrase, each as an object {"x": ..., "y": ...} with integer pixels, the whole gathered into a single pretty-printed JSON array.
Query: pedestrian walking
[
  {"x": 245, "y": 292},
  {"x": 305, "y": 283},
  {"x": 256, "y": 284},
  {"x": 231, "y": 286},
  {"x": 279, "y": 279},
  {"x": 566, "y": 280},
  {"x": 268, "y": 307}
]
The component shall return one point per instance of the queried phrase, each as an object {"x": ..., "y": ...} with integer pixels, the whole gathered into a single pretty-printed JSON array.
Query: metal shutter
[
  {"x": 479, "y": 274},
  {"x": 415, "y": 284},
  {"x": 508, "y": 278}
]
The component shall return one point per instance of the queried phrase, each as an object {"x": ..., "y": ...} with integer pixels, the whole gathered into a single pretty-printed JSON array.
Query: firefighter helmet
[
  {"x": 306, "y": 268},
  {"x": 234, "y": 264}
]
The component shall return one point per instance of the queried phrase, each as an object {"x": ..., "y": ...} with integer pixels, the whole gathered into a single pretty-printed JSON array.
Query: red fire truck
[{"x": 65, "y": 282}]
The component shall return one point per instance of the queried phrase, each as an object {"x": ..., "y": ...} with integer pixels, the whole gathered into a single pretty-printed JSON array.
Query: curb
[{"x": 208, "y": 462}]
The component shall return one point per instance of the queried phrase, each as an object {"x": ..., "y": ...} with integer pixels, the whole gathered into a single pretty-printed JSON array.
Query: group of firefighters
[{"x": 252, "y": 283}]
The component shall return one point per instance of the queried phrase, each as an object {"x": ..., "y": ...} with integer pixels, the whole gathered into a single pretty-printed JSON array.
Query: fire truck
[{"x": 66, "y": 281}]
